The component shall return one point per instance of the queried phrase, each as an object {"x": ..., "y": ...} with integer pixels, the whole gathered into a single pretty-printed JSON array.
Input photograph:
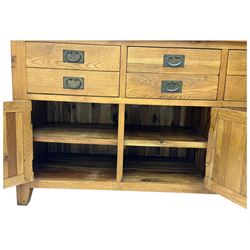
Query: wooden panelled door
[
  {"x": 18, "y": 144},
  {"x": 226, "y": 155}
]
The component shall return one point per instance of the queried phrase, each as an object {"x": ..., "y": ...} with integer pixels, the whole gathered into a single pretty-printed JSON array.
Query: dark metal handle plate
[
  {"x": 73, "y": 56},
  {"x": 73, "y": 82},
  {"x": 171, "y": 86},
  {"x": 174, "y": 61}
]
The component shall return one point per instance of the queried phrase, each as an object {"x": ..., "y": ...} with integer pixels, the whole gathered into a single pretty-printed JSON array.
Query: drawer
[
  {"x": 72, "y": 56},
  {"x": 236, "y": 88},
  {"x": 237, "y": 62},
  {"x": 148, "y": 85},
  {"x": 72, "y": 82},
  {"x": 171, "y": 60}
]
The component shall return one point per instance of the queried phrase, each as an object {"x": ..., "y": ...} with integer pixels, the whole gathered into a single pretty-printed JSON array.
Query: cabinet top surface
[{"x": 232, "y": 44}]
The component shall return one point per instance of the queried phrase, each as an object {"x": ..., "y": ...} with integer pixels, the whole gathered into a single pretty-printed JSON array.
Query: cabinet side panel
[{"x": 18, "y": 65}]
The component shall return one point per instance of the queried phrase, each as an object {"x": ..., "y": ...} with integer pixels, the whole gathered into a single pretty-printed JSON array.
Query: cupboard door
[
  {"x": 18, "y": 144},
  {"x": 226, "y": 155}
]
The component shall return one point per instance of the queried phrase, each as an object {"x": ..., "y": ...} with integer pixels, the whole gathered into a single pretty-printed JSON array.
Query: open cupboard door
[
  {"x": 18, "y": 144},
  {"x": 226, "y": 155}
]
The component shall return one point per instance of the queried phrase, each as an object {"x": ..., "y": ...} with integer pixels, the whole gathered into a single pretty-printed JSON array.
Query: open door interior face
[
  {"x": 226, "y": 155},
  {"x": 18, "y": 149}
]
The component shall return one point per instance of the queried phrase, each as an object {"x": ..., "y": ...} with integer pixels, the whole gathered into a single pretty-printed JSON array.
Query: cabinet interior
[{"x": 79, "y": 141}]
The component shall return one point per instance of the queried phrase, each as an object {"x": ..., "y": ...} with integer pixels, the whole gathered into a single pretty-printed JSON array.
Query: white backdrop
[{"x": 82, "y": 219}]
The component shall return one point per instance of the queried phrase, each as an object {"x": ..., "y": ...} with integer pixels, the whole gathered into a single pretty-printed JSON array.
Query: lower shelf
[
  {"x": 99, "y": 172},
  {"x": 74, "y": 167}
]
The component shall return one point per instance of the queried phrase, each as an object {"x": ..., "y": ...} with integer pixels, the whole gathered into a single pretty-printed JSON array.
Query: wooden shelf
[
  {"x": 158, "y": 164},
  {"x": 145, "y": 176},
  {"x": 99, "y": 172},
  {"x": 164, "y": 137},
  {"x": 103, "y": 168},
  {"x": 77, "y": 167},
  {"x": 159, "y": 170},
  {"x": 76, "y": 134}
]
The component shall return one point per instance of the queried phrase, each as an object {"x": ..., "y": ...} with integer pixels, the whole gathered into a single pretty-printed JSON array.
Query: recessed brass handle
[
  {"x": 73, "y": 82},
  {"x": 73, "y": 56},
  {"x": 174, "y": 61},
  {"x": 171, "y": 86}
]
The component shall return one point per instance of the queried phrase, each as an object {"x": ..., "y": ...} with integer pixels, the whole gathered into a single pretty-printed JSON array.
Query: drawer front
[
  {"x": 237, "y": 62},
  {"x": 236, "y": 88},
  {"x": 72, "y": 56},
  {"x": 171, "y": 60},
  {"x": 72, "y": 82},
  {"x": 165, "y": 86}
]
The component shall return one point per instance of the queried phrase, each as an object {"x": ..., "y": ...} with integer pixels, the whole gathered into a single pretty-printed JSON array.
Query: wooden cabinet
[{"x": 126, "y": 115}]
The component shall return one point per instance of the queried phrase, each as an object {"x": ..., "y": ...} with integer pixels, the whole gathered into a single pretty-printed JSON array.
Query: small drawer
[
  {"x": 237, "y": 62},
  {"x": 171, "y": 60},
  {"x": 72, "y": 82},
  {"x": 236, "y": 88},
  {"x": 167, "y": 86},
  {"x": 72, "y": 56}
]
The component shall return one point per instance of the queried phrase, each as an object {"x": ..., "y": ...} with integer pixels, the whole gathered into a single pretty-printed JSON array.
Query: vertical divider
[
  {"x": 222, "y": 75},
  {"x": 120, "y": 144},
  {"x": 121, "y": 113}
]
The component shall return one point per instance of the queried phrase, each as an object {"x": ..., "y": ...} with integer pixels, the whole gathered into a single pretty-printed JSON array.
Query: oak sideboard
[{"x": 164, "y": 116}]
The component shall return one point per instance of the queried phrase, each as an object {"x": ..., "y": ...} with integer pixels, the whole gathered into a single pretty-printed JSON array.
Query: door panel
[
  {"x": 226, "y": 155},
  {"x": 18, "y": 147}
]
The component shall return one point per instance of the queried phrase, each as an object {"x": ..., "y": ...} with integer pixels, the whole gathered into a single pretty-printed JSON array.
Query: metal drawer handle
[
  {"x": 73, "y": 82},
  {"x": 73, "y": 56},
  {"x": 171, "y": 86},
  {"x": 174, "y": 61}
]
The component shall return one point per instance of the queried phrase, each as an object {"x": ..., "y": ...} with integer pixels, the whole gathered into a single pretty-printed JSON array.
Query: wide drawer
[
  {"x": 237, "y": 62},
  {"x": 72, "y": 82},
  {"x": 148, "y": 85},
  {"x": 236, "y": 88},
  {"x": 72, "y": 56},
  {"x": 173, "y": 60}
]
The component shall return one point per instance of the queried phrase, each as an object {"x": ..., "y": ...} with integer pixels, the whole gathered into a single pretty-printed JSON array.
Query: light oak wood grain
[
  {"x": 226, "y": 160},
  {"x": 18, "y": 65},
  {"x": 17, "y": 143},
  {"x": 50, "y": 55},
  {"x": 164, "y": 137},
  {"x": 51, "y": 82},
  {"x": 76, "y": 133},
  {"x": 120, "y": 147},
  {"x": 236, "y": 88},
  {"x": 194, "y": 186},
  {"x": 123, "y": 69},
  {"x": 237, "y": 62},
  {"x": 151, "y": 60},
  {"x": 222, "y": 75},
  {"x": 136, "y": 101},
  {"x": 161, "y": 43},
  {"x": 147, "y": 85}
]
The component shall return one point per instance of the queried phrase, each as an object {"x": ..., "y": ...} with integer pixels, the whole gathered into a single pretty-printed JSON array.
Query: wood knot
[{"x": 13, "y": 61}]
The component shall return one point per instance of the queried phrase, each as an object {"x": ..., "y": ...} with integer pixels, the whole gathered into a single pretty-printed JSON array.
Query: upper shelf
[
  {"x": 76, "y": 133},
  {"x": 164, "y": 137},
  {"x": 107, "y": 135}
]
